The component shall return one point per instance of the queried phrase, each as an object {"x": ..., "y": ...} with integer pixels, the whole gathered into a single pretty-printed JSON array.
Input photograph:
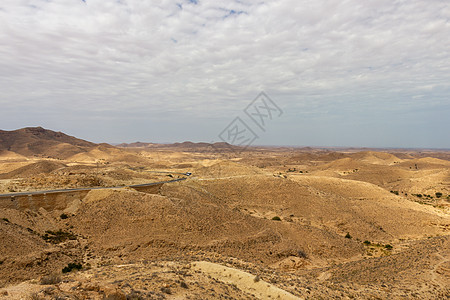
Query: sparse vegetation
[
  {"x": 166, "y": 290},
  {"x": 348, "y": 236},
  {"x": 35, "y": 296},
  {"x": 63, "y": 216},
  {"x": 438, "y": 194},
  {"x": 134, "y": 295},
  {"x": 302, "y": 254},
  {"x": 57, "y": 237},
  {"x": 72, "y": 266},
  {"x": 6, "y": 220},
  {"x": 276, "y": 218},
  {"x": 395, "y": 192},
  {"x": 50, "y": 279}
]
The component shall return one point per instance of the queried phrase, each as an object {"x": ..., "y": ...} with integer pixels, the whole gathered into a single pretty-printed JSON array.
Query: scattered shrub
[
  {"x": 118, "y": 295},
  {"x": 57, "y": 237},
  {"x": 72, "y": 266},
  {"x": 276, "y": 218},
  {"x": 63, "y": 216},
  {"x": 134, "y": 295},
  {"x": 394, "y": 192},
  {"x": 388, "y": 247},
  {"x": 366, "y": 243},
  {"x": 301, "y": 254},
  {"x": 438, "y": 194},
  {"x": 50, "y": 279},
  {"x": 348, "y": 236},
  {"x": 6, "y": 220},
  {"x": 35, "y": 296}
]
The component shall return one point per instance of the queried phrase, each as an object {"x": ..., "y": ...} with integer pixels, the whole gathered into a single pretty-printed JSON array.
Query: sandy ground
[
  {"x": 260, "y": 224},
  {"x": 246, "y": 282}
]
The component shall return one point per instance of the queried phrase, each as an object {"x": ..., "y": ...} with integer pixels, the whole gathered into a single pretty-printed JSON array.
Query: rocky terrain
[{"x": 262, "y": 223}]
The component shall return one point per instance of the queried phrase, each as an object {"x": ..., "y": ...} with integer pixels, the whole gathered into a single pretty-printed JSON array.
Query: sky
[{"x": 373, "y": 73}]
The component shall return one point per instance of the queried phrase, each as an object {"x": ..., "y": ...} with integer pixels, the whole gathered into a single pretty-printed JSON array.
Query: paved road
[
  {"x": 84, "y": 189},
  {"x": 159, "y": 172}
]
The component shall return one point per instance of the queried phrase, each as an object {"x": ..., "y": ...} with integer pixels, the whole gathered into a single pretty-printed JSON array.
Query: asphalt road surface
[{"x": 9, "y": 195}]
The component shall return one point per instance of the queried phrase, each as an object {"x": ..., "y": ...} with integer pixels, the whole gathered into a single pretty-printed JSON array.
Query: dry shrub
[{"x": 50, "y": 279}]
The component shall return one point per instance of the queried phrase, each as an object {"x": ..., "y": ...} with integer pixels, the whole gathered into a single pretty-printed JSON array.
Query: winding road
[{"x": 9, "y": 195}]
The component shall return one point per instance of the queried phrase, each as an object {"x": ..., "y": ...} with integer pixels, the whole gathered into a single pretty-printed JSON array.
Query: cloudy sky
[{"x": 373, "y": 73}]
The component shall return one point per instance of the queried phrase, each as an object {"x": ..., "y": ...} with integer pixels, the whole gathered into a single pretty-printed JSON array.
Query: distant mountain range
[
  {"x": 41, "y": 142},
  {"x": 183, "y": 145}
]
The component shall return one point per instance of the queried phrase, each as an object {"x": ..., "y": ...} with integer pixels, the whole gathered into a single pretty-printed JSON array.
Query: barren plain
[{"x": 254, "y": 223}]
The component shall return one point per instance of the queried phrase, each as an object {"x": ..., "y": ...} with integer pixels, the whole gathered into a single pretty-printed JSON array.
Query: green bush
[
  {"x": 366, "y": 243},
  {"x": 348, "y": 236},
  {"x": 276, "y": 218},
  {"x": 388, "y": 247},
  {"x": 438, "y": 194},
  {"x": 64, "y": 216}
]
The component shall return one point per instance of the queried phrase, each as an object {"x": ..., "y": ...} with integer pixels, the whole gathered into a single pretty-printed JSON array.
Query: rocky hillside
[{"x": 37, "y": 141}]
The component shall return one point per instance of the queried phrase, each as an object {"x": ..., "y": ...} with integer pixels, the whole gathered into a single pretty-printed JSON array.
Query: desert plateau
[{"x": 221, "y": 222}]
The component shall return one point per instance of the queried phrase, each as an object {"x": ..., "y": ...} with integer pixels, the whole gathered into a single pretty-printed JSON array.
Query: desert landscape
[{"x": 216, "y": 221}]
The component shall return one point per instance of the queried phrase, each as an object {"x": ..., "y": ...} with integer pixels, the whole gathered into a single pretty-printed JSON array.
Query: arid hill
[
  {"x": 38, "y": 142},
  {"x": 33, "y": 169},
  {"x": 264, "y": 223},
  {"x": 43, "y": 142}
]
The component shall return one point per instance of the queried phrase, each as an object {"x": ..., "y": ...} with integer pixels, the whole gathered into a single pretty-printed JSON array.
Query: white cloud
[{"x": 208, "y": 59}]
